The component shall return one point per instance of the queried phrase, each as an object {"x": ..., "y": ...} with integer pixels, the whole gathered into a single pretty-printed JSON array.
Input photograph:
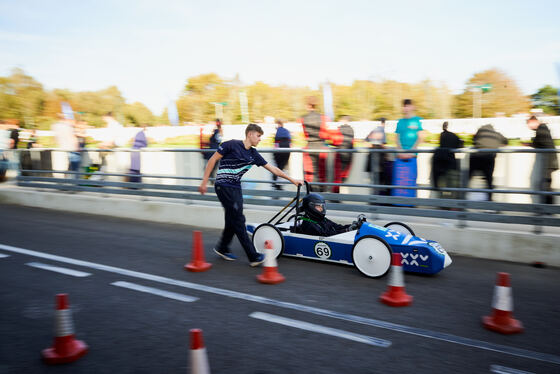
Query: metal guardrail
[{"x": 462, "y": 210}]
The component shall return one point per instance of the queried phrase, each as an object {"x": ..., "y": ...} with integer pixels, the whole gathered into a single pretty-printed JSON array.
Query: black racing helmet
[{"x": 314, "y": 206}]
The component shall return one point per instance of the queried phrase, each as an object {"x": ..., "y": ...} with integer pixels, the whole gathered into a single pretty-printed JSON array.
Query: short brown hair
[
  {"x": 532, "y": 118},
  {"x": 253, "y": 127}
]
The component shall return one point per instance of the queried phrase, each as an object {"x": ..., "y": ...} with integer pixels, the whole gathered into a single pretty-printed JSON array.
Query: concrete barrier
[{"x": 505, "y": 244}]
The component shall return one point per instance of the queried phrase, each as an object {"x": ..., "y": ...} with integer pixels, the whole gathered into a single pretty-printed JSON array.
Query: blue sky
[{"x": 149, "y": 48}]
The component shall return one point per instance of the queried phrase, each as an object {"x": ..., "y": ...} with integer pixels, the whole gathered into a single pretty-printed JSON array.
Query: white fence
[{"x": 509, "y": 127}]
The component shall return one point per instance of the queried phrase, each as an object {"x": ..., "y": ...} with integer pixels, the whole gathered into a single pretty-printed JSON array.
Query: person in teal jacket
[{"x": 409, "y": 136}]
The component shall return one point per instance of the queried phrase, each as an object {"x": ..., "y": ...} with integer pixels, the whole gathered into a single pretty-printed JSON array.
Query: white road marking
[
  {"x": 3, "y": 255},
  {"x": 155, "y": 291},
  {"x": 58, "y": 269},
  {"x": 321, "y": 329},
  {"x": 480, "y": 344},
  {"x": 505, "y": 370}
]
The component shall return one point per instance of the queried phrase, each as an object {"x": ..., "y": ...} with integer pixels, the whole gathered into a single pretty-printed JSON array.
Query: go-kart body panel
[{"x": 418, "y": 255}]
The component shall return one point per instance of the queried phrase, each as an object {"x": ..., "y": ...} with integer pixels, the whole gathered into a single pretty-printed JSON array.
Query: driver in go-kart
[{"x": 314, "y": 222}]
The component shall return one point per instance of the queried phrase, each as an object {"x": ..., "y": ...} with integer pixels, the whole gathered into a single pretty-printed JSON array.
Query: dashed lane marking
[
  {"x": 520, "y": 352},
  {"x": 321, "y": 329},
  {"x": 505, "y": 370},
  {"x": 155, "y": 291},
  {"x": 3, "y": 255},
  {"x": 58, "y": 269}
]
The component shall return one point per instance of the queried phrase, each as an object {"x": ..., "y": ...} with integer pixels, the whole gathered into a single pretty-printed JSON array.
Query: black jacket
[
  {"x": 487, "y": 137},
  {"x": 324, "y": 227},
  {"x": 543, "y": 140},
  {"x": 443, "y": 158}
]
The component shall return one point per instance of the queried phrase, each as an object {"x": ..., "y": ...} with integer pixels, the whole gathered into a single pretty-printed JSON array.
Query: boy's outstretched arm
[
  {"x": 274, "y": 170},
  {"x": 209, "y": 167}
]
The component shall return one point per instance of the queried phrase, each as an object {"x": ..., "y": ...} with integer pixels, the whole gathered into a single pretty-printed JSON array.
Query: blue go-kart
[{"x": 369, "y": 248}]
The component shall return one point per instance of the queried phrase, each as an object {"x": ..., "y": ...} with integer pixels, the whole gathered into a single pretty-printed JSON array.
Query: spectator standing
[
  {"x": 409, "y": 136},
  {"x": 5, "y": 143},
  {"x": 67, "y": 140},
  {"x": 214, "y": 142},
  {"x": 32, "y": 140},
  {"x": 282, "y": 139},
  {"x": 14, "y": 135},
  {"x": 140, "y": 141},
  {"x": 215, "y": 139},
  {"x": 445, "y": 168},
  {"x": 114, "y": 132},
  {"x": 235, "y": 158},
  {"x": 343, "y": 161},
  {"x": 377, "y": 139},
  {"x": 114, "y": 137},
  {"x": 486, "y": 138},
  {"x": 377, "y": 136},
  {"x": 545, "y": 163},
  {"x": 28, "y": 160},
  {"x": 314, "y": 129}
]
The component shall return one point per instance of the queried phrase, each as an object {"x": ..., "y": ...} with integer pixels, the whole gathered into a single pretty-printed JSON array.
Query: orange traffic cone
[
  {"x": 396, "y": 294},
  {"x": 502, "y": 319},
  {"x": 198, "y": 263},
  {"x": 198, "y": 358},
  {"x": 270, "y": 274},
  {"x": 65, "y": 348}
]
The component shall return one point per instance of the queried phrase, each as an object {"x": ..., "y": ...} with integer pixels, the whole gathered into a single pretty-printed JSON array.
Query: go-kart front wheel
[
  {"x": 372, "y": 256},
  {"x": 400, "y": 227},
  {"x": 265, "y": 232}
]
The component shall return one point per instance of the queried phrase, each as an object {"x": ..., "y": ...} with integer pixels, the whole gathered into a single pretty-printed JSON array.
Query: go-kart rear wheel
[
  {"x": 372, "y": 256},
  {"x": 265, "y": 232},
  {"x": 400, "y": 227}
]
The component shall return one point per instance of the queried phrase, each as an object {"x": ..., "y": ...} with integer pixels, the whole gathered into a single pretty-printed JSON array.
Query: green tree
[
  {"x": 21, "y": 97},
  {"x": 504, "y": 97},
  {"x": 138, "y": 114},
  {"x": 200, "y": 92},
  {"x": 546, "y": 98}
]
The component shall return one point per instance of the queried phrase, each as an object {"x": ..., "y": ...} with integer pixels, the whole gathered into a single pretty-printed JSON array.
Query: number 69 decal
[{"x": 322, "y": 250}]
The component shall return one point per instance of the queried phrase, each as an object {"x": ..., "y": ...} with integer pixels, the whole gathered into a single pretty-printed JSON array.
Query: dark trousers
[
  {"x": 232, "y": 201},
  {"x": 484, "y": 162},
  {"x": 281, "y": 160}
]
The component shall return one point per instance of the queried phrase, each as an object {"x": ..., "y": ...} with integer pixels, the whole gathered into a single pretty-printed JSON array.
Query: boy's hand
[
  {"x": 202, "y": 188},
  {"x": 297, "y": 182}
]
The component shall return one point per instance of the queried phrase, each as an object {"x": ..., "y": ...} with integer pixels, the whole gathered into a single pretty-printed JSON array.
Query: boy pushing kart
[{"x": 235, "y": 158}]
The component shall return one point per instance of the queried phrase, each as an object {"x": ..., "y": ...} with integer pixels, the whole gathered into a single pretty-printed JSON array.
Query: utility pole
[{"x": 477, "y": 98}]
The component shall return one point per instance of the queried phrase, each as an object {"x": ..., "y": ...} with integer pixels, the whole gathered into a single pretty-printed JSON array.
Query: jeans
[
  {"x": 75, "y": 159},
  {"x": 232, "y": 201}
]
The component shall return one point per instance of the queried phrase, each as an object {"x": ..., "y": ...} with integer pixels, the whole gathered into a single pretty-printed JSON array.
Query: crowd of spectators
[{"x": 396, "y": 167}]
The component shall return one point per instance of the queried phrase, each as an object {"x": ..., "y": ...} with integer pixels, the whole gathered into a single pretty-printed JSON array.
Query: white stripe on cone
[
  {"x": 503, "y": 299},
  {"x": 269, "y": 259},
  {"x": 64, "y": 325},
  {"x": 396, "y": 278},
  {"x": 199, "y": 361}
]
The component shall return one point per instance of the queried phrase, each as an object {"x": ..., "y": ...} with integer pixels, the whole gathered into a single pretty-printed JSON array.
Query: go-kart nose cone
[{"x": 447, "y": 261}]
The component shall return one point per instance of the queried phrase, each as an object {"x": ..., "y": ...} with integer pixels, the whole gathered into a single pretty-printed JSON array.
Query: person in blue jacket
[{"x": 283, "y": 139}]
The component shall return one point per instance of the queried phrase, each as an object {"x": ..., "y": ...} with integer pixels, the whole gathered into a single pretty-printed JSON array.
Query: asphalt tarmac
[{"x": 324, "y": 318}]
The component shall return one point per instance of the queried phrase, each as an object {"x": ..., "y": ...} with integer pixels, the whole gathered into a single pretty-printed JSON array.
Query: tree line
[{"x": 23, "y": 99}]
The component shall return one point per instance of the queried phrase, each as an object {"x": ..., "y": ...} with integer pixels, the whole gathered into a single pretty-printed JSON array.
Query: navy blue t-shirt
[{"x": 235, "y": 162}]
